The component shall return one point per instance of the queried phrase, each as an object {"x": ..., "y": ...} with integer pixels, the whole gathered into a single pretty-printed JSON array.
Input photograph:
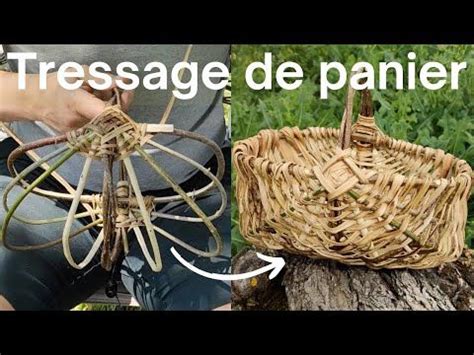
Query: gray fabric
[
  {"x": 202, "y": 114},
  {"x": 43, "y": 280}
]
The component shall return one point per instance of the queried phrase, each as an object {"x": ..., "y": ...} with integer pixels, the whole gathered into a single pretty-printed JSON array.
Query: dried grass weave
[{"x": 353, "y": 194}]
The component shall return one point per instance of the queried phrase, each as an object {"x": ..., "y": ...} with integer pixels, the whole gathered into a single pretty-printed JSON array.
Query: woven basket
[{"x": 352, "y": 194}]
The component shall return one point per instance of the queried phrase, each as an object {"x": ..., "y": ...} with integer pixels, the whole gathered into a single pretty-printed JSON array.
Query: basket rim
[{"x": 240, "y": 145}]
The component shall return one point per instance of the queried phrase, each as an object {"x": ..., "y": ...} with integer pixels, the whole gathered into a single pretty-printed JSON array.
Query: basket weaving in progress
[
  {"x": 353, "y": 194},
  {"x": 111, "y": 138}
]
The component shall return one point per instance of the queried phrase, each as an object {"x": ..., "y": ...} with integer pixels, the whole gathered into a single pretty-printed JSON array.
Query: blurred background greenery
[{"x": 439, "y": 119}]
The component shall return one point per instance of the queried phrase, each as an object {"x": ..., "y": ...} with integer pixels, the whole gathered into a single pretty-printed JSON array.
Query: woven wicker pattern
[
  {"x": 380, "y": 202},
  {"x": 112, "y": 133},
  {"x": 121, "y": 207}
]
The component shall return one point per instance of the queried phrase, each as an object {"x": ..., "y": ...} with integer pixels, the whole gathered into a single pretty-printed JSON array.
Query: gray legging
[{"x": 43, "y": 280}]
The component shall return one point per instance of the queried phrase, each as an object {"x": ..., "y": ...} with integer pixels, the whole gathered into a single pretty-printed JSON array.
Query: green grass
[{"x": 439, "y": 119}]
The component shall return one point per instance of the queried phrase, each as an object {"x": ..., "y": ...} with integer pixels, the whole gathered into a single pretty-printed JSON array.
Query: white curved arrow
[{"x": 275, "y": 263}]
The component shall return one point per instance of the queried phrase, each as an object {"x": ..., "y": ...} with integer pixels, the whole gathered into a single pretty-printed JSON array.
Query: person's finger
[
  {"x": 104, "y": 95},
  {"x": 88, "y": 76},
  {"x": 87, "y": 88},
  {"x": 127, "y": 99},
  {"x": 108, "y": 93},
  {"x": 88, "y": 105}
]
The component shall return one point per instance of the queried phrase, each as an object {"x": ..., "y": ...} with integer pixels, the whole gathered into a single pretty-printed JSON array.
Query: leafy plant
[{"x": 439, "y": 119}]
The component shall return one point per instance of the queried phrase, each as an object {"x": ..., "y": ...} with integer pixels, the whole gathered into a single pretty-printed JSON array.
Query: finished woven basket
[{"x": 352, "y": 194}]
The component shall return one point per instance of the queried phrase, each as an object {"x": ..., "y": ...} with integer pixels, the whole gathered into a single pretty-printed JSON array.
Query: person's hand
[{"x": 66, "y": 110}]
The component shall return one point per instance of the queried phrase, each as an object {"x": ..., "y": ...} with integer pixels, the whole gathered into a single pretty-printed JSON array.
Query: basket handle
[{"x": 364, "y": 132}]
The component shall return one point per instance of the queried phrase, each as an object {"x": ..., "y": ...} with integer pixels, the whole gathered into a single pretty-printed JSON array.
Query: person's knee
[
  {"x": 176, "y": 287},
  {"x": 5, "y": 305},
  {"x": 4, "y": 181},
  {"x": 26, "y": 280},
  {"x": 43, "y": 279}
]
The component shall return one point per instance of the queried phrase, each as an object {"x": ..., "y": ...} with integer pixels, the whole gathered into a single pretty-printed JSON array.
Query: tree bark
[{"x": 306, "y": 284}]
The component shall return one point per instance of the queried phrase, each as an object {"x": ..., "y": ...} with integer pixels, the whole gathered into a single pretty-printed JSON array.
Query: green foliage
[{"x": 439, "y": 119}]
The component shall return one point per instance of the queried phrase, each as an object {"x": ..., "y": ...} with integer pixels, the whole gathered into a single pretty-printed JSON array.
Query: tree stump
[{"x": 307, "y": 284}]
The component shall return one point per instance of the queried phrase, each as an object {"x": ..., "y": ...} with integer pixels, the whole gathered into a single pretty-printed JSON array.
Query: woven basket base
[{"x": 392, "y": 204}]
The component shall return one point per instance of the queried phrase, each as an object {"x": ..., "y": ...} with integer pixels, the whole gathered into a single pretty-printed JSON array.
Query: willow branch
[
  {"x": 215, "y": 234},
  {"x": 39, "y": 180},
  {"x": 214, "y": 182},
  {"x": 72, "y": 212},
  {"x": 155, "y": 264}
]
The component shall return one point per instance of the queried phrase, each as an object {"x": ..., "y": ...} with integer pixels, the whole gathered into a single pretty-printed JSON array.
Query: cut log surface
[{"x": 307, "y": 284}]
